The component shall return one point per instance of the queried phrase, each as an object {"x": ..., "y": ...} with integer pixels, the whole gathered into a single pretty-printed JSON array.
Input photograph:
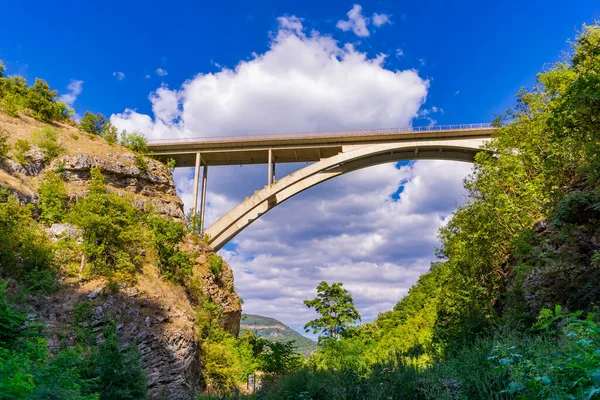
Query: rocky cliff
[{"x": 156, "y": 316}]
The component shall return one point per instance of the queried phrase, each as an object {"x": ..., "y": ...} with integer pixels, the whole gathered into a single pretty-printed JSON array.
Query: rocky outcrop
[
  {"x": 155, "y": 316},
  {"x": 218, "y": 288},
  {"x": 34, "y": 165},
  {"x": 154, "y": 187}
]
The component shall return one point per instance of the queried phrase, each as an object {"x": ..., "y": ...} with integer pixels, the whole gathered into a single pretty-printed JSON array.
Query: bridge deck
[{"x": 298, "y": 147}]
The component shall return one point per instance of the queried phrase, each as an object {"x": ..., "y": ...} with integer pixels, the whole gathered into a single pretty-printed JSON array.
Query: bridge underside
[{"x": 332, "y": 155}]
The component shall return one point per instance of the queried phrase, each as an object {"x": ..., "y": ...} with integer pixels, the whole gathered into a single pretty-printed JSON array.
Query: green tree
[
  {"x": 44, "y": 103},
  {"x": 110, "y": 132},
  {"x": 117, "y": 374},
  {"x": 93, "y": 123},
  {"x": 336, "y": 307},
  {"x": 278, "y": 357},
  {"x": 53, "y": 197},
  {"x": 112, "y": 231}
]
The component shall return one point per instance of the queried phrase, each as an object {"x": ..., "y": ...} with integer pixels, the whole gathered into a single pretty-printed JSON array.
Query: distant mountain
[{"x": 276, "y": 331}]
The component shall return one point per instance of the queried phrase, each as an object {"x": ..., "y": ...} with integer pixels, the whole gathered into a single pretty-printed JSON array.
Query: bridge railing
[{"x": 296, "y": 135}]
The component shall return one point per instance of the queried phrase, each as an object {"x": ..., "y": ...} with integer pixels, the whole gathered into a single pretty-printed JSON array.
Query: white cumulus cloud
[
  {"x": 380, "y": 19},
  {"x": 74, "y": 89},
  {"x": 356, "y": 22},
  {"x": 161, "y": 72},
  {"x": 119, "y": 75}
]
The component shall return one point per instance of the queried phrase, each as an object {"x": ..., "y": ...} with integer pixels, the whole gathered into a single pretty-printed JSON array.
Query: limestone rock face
[
  {"x": 155, "y": 316},
  {"x": 34, "y": 165},
  {"x": 154, "y": 188}
]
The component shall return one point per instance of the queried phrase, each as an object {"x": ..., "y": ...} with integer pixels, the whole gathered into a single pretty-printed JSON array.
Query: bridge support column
[
  {"x": 271, "y": 169},
  {"x": 203, "y": 198},
  {"x": 196, "y": 181}
]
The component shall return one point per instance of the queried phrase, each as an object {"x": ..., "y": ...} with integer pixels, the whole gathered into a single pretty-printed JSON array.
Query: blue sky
[
  {"x": 485, "y": 50},
  {"x": 175, "y": 68}
]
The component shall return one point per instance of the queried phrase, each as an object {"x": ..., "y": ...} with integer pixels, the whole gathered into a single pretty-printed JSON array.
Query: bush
[
  {"x": 25, "y": 252},
  {"x": 47, "y": 140},
  {"x": 12, "y": 104},
  {"x": 21, "y": 147},
  {"x": 4, "y": 145},
  {"x": 141, "y": 163},
  {"x": 578, "y": 208},
  {"x": 215, "y": 265},
  {"x": 194, "y": 221},
  {"x": 117, "y": 374},
  {"x": 171, "y": 164},
  {"x": 53, "y": 197},
  {"x": 112, "y": 232},
  {"x": 134, "y": 141},
  {"x": 27, "y": 369},
  {"x": 561, "y": 364},
  {"x": 44, "y": 103},
  {"x": 227, "y": 361},
  {"x": 278, "y": 357},
  {"x": 173, "y": 263},
  {"x": 110, "y": 133},
  {"x": 93, "y": 123}
]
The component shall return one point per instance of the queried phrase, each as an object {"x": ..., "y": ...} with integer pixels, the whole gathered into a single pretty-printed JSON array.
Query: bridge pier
[
  {"x": 196, "y": 188},
  {"x": 203, "y": 197},
  {"x": 271, "y": 168},
  {"x": 196, "y": 181}
]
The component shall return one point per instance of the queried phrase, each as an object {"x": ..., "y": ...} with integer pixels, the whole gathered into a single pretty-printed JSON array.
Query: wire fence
[{"x": 300, "y": 135}]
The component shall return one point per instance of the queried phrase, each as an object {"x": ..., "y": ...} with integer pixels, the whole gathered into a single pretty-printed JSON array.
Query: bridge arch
[{"x": 352, "y": 158}]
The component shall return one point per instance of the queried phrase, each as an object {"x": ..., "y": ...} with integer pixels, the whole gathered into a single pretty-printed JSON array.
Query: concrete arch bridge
[{"x": 332, "y": 154}]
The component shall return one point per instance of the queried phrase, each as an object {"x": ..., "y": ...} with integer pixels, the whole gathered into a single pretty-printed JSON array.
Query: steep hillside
[
  {"x": 152, "y": 188},
  {"x": 276, "y": 331},
  {"x": 150, "y": 287}
]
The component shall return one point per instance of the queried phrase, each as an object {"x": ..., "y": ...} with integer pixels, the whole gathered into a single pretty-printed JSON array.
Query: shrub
[
  {"x": 110, "y": 133},
  {"x": 52, "y": 198},
  {"x": 21, "y": 147},
  {"x": 278, "y": 357},
  {"x": 47, "y": 140},
  {"x": 174, "y": 264},
  {"x": 194, "y": 221},
  {"x": 117, "y": 374},
  {"x": 562, "y": 364},
  {"x": 578, "y": 208},
  {"x": 215, "y": 265},
  {"x": 27, "y": 369},
  {"x": 141, "y": 163},
  {"x": 112, "y": 232},
  {"x": 93, "y": 123},
  {"x": 25, "y": 251},
  {"x": 12, "y": 104},
  {"x": 44, "y": 103},
  {"x": 134, "y": 141},
  {"x": 171, "y": 164},
  {"x": 4, "y": 145}
]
